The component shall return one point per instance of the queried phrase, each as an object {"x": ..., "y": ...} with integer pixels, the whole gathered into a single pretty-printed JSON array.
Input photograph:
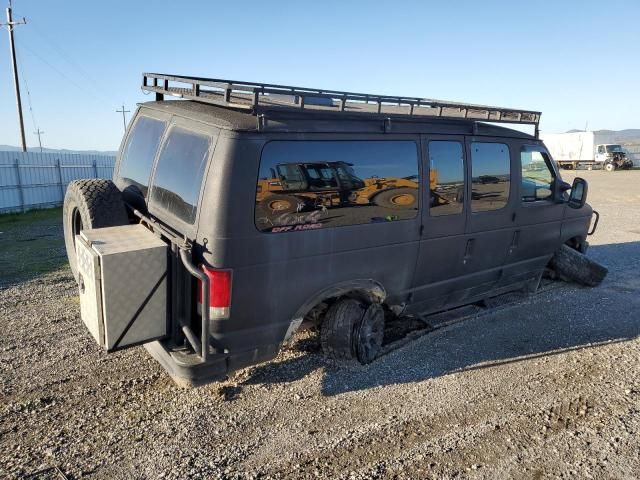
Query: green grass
[
  {"x": 31, "y": 216},
  {"x": 31, "y": 244}
]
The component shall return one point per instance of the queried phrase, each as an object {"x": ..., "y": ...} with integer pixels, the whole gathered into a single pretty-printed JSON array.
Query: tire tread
[
  {"x": 571, "y": 265},
  {"x": 100, "y": 204},
  {"x": 338, "y": 329}
]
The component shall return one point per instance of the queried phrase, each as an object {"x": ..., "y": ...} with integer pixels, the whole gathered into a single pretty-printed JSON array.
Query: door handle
[
  {"x": 516, "y": 239},
  {"x": 468, "y": 250}
]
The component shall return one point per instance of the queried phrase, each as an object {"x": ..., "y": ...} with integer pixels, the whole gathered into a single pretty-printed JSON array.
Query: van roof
[{"x": 282, "y": 120}]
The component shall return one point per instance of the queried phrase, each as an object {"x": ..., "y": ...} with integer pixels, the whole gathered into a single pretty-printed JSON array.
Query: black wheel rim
[
  {"x": 370, "y": 334},
  {"x": 76, "y": 224}
]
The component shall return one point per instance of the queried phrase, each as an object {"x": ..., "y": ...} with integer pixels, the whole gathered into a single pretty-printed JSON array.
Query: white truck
[{"x": 574, "y": 149}]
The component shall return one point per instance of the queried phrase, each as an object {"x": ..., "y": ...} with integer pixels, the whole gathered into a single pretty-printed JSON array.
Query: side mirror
[
  {"x": 578, "y": 196},
  {"x": 560, "y": 188},
  {"x": 564, "y": 186}
]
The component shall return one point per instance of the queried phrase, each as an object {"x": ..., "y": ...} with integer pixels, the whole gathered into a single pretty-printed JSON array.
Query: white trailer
[{"x": 574, "y": 149}]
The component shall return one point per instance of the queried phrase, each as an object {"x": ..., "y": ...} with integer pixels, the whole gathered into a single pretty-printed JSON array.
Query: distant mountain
[{"x": 10, "y": 148}]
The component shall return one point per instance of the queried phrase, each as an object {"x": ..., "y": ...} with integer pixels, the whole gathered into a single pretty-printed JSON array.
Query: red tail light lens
[{"x": 219, "y": 292}]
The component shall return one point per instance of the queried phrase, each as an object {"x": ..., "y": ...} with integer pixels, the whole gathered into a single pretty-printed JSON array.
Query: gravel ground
[{"x": 544, "y": 388}]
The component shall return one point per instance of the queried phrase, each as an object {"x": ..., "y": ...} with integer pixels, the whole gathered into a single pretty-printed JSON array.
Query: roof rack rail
[{"x": 257, "y": 97}]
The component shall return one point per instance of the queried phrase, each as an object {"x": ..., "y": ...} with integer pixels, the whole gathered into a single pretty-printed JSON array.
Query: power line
[
  {"x": 124, "y": 117},
  {"x": 39, "y": 133},
  {"x": 10, "y": 26},
  {"x": 62, "y": 74},
  {"x": 26, "y": 85},
  {"x": 54, "y": 46}
]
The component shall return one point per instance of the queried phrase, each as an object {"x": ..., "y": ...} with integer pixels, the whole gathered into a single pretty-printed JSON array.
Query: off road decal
[{"x": 295, "y": 228}]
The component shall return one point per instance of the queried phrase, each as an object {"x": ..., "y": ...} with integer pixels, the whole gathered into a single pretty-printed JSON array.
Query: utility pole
[
  {"x": 124, "y": 117},
  {"x": 10, "y": 24},
  {"x": 39, "y": 132}
]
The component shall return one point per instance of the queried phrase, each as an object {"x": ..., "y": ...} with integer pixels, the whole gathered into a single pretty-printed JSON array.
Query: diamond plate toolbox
[{"x": 123, "y": 285}]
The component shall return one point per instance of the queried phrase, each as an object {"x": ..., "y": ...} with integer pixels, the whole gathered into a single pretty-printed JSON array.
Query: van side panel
[{"x": 275, "y": 274}]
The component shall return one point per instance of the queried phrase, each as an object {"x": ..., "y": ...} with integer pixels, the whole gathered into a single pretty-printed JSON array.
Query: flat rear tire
[{"x": 352, "y": 330}]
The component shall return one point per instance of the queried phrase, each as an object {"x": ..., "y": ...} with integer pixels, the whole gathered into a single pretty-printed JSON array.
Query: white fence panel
[{"x": 39, "y": 180}]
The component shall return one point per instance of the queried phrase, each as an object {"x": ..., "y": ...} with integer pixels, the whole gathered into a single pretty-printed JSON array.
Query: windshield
[
  {"x": 613, "y": 148},
  {"x": 348, "y": 177}
]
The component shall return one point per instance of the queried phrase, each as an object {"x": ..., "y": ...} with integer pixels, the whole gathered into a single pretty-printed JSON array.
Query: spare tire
[
  {"x": 573, "y": 266},
  {"x": 90, "y": 203}
]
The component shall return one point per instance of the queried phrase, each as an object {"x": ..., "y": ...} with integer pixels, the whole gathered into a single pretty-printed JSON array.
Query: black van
[{"x": 279, "y": 204}]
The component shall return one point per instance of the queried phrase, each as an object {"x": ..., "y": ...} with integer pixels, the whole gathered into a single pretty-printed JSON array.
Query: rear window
[
  {"x": 306, "y": 185},
  {"x": 139, "y": 152},
  {"x": 178, "y": 177}
]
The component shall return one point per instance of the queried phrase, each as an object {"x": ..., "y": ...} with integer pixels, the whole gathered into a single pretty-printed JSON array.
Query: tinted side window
[
  {"x": 491, "y": 176},
  {"x": 446, "y": 178},
  {"x": 178, "y": 177},
  {"x": 139, "y": 153},
  {"x": 537, "y": 176},
  {"x": 304, "y": 185}
]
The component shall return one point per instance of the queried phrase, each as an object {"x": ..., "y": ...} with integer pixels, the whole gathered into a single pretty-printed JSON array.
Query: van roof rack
[{"x": 259, "y": 97}]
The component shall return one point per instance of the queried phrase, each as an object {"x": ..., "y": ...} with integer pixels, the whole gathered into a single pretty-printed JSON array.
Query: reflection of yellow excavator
[{"x": 304, "y": 186}]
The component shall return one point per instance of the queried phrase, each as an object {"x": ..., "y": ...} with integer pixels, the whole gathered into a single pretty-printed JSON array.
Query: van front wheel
[{"x": 352, "y": 330}]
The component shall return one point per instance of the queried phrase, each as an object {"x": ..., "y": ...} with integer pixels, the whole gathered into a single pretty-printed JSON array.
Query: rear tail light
[{"x": 219, "y": 292}]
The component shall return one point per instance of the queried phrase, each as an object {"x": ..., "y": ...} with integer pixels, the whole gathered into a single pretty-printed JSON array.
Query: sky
[{"x": 576, "y": 61}]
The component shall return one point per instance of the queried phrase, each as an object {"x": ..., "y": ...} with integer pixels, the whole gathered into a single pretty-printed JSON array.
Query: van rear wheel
[
  {"x": 370, "y": 334},
  {"x": 352, "y": 330},
  {"x": 90, "y": 203}
]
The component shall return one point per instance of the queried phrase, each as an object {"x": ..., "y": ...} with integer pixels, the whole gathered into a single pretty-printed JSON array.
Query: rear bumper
[{"x": 187, "y": 370}]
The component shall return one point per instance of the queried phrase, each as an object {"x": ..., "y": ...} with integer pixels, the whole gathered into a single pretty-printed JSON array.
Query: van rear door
[
  {"x": 179, "y": 172},
  {"x": 137, "y": 156}
]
